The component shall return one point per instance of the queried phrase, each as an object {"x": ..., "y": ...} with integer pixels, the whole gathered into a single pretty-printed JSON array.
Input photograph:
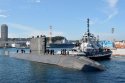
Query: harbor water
[{"x": 21, "y": 71}]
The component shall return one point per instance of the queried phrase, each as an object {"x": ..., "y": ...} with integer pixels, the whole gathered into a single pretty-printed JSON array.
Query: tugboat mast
[
  {"x": 88, "y": 27},
  {"x": 88, "y": 33}
]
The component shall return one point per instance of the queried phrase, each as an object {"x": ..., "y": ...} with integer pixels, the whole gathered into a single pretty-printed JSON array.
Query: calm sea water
[{"x": 21, "y": 71}]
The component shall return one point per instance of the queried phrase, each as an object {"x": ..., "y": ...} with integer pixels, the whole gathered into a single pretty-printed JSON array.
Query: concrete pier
[{"x": 117, "y": 52}]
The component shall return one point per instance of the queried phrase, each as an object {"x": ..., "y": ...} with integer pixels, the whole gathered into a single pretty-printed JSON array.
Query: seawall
[{"x": 76, "y": 62}]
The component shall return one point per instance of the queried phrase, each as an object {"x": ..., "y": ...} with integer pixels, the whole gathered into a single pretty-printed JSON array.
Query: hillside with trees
[{"x": 56, "y": 38}]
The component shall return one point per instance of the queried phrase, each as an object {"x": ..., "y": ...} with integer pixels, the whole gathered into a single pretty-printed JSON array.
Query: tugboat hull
[{"x": 100, "y": 57}]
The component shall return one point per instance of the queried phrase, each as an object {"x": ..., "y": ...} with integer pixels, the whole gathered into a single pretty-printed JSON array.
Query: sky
[{"x": 27, "y": 18}]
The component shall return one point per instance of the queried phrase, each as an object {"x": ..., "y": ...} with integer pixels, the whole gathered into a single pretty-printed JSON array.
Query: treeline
[{"x": 56, "y": 38}]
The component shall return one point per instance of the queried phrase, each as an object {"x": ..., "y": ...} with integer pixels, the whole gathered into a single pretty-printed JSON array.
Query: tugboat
[{"x": 90, "y": 47}]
